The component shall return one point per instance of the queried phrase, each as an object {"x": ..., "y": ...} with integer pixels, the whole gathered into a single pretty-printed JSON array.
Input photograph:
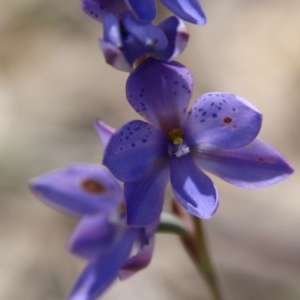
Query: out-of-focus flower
[
  {"x": 126, "y": 39},
  {"x": 145, "y": 10},
  {"x": 101, "y": 236},
  {"x": 217, "y": 134}
]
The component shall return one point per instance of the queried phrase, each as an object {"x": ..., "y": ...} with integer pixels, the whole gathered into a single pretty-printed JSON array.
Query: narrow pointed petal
[
  {"x": 160, "y": 92},
  {"x": 189, "y": 10},
  {"x": 101, "y": 273},
  {"x": 177, "y": 36},
  {"x": 79, "y": 190},
  {"x": 192, "y": 188},
  {"x": 104, "y": 131},
  {"x": 97, "y": 9},
  {"x": 144, "y": 10},
  {"x": 132, "y": 149},
  {"x": 222, "y": 120},
  {"x": 139, "y": 261},
  {"x": 144, "y": 197},
  {"x": 94, "y": 236},
  {"x": 253, "y": 166}
]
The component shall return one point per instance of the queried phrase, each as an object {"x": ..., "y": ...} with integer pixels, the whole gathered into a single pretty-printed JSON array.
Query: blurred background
[{"x": 54, "y": 83}]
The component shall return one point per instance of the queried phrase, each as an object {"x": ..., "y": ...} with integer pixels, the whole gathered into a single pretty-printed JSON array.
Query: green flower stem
[
  {"x": 169, "y": 223},
  {"x": 203, "y": 261},
  {"x": 191, "y": 232}
]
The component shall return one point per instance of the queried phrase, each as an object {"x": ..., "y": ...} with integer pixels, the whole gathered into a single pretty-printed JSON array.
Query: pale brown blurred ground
[{"x": 53, "y": 84}]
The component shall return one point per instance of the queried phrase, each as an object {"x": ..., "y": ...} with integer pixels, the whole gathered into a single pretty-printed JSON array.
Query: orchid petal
[
  {"x": 112, "y": 30},
  {"x": 254, "y": 166},
  {"x": 98, "y": 9},
  {"x": 189, "y": 10},
  {"x": 112, "y": 44},
  {"x": 145, "y": 10},
  {"x": 192, "y": 188},
  {"x": 149, "y": 35},
  {"x": 139, "y": 261},
  {"x": 177, "y": 36},
  {"x": 104, "y": 131},
  {"x": 114, "y": 56},
  {"x": 160, "y": 92},
  {"x": 222, "y": 120},
  {"x": 79, "y": 190},
  {"x": 94, "y": 236},
  {"x": 101, "y": 273},
  {"x": 144, "y": 197},
  {"x": 132, "y": 149}
]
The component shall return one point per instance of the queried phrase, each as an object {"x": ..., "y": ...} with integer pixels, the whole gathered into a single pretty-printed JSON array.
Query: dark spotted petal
[
  {"x": 222, "y": 121},
  {"x": 97, "y": 9},
  {"x": 132, "y": 150},
  {"x": 160, "y": 92}
]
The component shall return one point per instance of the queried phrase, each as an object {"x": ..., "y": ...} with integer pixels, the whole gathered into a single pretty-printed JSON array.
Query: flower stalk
[
  {"x": 195, "y": 245},
  {"x": 203, "y": 261}
]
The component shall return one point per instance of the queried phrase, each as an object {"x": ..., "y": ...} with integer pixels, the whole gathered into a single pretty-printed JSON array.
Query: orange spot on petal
[
  {"x": 227, "y": 120},
  {"x": 93, "y": 186}
]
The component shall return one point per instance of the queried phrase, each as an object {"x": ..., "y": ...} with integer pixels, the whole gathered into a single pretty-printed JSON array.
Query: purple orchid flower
[
  {"x": 101, "y": 236},
  {"x": 145, "y": 10},
  {"x": 126, "y": 39},
  {"x": 217, "y": 134}
]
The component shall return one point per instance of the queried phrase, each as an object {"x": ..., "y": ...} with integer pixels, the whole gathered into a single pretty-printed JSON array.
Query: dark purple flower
[
  {"x": 145, "y": 10},
  {"x": 126, "y": 39},
  {"x": 217, "y": 134},
  {"x": 101, "y": 236}
]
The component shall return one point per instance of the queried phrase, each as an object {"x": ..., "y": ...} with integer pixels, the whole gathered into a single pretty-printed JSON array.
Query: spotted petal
[
  {"x": 97, "y": 9},
  {"x": 145, "y": 10},
  {"x": 132, "y": 149},
  {"x": 79, "y": 190},
  {"x": 222, "y": 120},
  {"x": 144, "y": 197},
  {"x": 192, "y": 188},
  {"x": 160, "y": 92},
  {"x": 189, "y": 10},
  {"x": 94, "y": 236},
  {"x": 253, "y": 166},
  {"x": 101, "y": 273}
]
